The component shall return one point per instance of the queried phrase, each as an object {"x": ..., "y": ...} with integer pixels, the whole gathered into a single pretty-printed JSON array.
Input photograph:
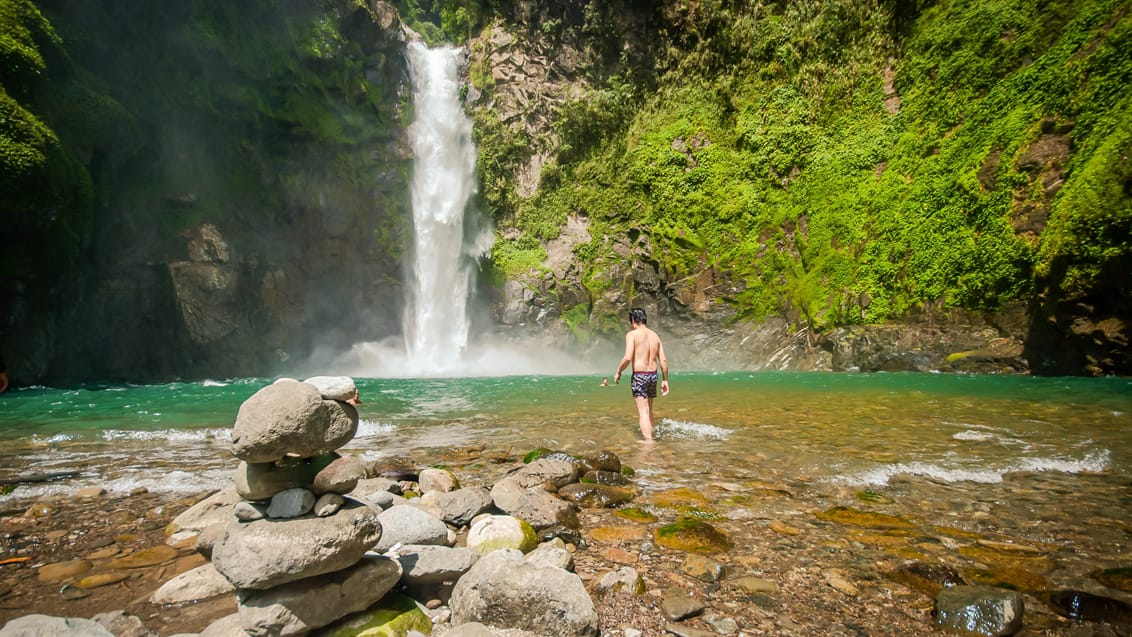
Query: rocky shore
[{"x": 481, "y": 541}]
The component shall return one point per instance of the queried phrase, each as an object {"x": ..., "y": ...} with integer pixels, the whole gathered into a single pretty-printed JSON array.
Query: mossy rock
[
  {"x": 873, "y": 497},
  {"x": 867, "y": 519},
  {"x": 394, "y": 616},
  {"x": 1118, "y": 578},
  {"x": 535, "y": 454},
  {"x": 676, "y": 497},
  {"x": 1013, "y": 578},
  {"x": 996, "y": 558},
  {"x": 693, "y": 536},
  {"x": 700, "y": 513},
  {"x": 636, "y": 514}
]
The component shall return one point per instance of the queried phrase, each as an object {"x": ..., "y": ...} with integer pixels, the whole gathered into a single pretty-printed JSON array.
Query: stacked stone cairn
[{"x": 313, "y": 546}]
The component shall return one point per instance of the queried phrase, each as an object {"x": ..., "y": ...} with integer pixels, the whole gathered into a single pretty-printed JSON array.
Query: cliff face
[
  {"x": 815, "y": 187},
  {"x": 254, "y": 212}
]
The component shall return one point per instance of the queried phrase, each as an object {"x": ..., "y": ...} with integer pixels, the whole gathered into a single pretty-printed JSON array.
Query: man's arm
[
  {"x": 663, "y": 368},
  {"x": 626, "y": 359}
]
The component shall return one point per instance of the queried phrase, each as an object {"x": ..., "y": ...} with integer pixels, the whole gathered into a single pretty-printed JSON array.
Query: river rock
[
  {"x": 460, "y": 506},
  {"x": 553, "y": 553},
  {"x": 1083, "y": 606},
  {"x": 60, "y": 571},
  {"x": 122, "y": 624},
  {"x": 604, "y": 477},
  {"x": 503, "y": 591},
  {"x": 299, "y": 607},
  {"x": 340, "y": 476},
  {"x": 595, "y": 495},
  {"x": 1119, "y": 578},
  {"x": 535, "y": 505},
  {"x": 558, "y": 473},
  {"x": 227, "y": 626},
  {"x": 261, "y": 480},
  {"x": 625, "y": 579},
  {"x": 393, "y": 616},
  {"x": 45, "y": 626},
  {"x": 492, "y": 532},
  {"x": 692, "y": 535},
  {"x": 334, "y": 387},
  {"x": 369, "y": 486},
  {"x": 429, "y": 564},
  {"x": 341, "y": 424},
  {"x": 978, "y": 610},
  {"x": 703, "y": 568},
  {"x": 431, "y": 480},
  {"x": 291, "y": 503},
  {"x": 679, "y": 605},
  {"x": 216, "y": 508},
  {"x": 926, "y": 577},
  {"x": 470, "y": 629},
  {"x": 328, "y": 504},
  {"x": 406, "y": 524},
  {"x": 199, "y": 583},
  {"x": 603, "y": 460},
  {"x": 281, "y": 419},
  {"x": 249, "y": 511},
  {"x": 267, "y": 553}
]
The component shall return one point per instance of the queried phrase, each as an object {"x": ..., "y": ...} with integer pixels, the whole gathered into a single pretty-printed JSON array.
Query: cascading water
[{"x": 444, "y": 179}]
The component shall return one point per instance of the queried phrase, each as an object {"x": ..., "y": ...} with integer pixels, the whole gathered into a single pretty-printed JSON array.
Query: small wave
[
  {"x": 684, "y": 429},
  {"x": 1093, "y": 462},
  {"x": 973, "y": 436},
  {"x": 171, "y": 435},
  {"x": 367, "y": 428},
  {"x": 213, "y": 383}
]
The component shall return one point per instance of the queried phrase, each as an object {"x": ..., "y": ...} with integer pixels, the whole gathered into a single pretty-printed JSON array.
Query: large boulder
[
  {"x": 267, "y": 553},
  {"x": 299, "y": 607},
  {"x": 280, "y": 419},
  {"x": 503, "y": 591}
]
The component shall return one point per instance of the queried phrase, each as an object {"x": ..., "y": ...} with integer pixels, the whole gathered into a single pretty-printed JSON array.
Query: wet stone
[
  {"x": 926, "y": 577},
  {"x": 978, "y": 610},
  {"x": 60, "y": 571},
  {"x": 595, "y": 495},
  {"x": 703, "y": 568},
  {"x": 636, "y": 514},
  {"x": 1084, "y": 606},
  {"x": 1018, "y": 579},
  {"x": 146, "y": 557},
  {"x": 101, "y": 579},
  {"x": 867, "y": 519},
  {"x": 694, "y": 536},
  {"x": 680, "y": 605},
  {"x": 752, "y": 584},
  {"x": 608, "y": 478},
  {"x": 1118, "y": 578}
]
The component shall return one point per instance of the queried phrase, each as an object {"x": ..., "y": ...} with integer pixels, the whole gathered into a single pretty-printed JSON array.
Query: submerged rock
[
  {"x": 595, "y": 495},
  {"x": 692, "y": 535},
  {"x": 926, "y": 577},
  {"x": 978, "y": 610},
  {"x": 1088, "y": 607},
  {"x": 1118, "y": 578},
  {"x": 867, "y": 519}
]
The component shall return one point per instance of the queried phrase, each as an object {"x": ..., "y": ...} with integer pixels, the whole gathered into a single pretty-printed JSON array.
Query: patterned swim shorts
[{"x": 644, "y": 384}]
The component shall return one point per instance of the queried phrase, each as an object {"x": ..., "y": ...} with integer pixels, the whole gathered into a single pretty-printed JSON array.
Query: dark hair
[{"x": 637, "y": 315}]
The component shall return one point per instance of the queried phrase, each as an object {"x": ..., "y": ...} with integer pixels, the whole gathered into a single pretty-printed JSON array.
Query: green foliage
[{"x": 774, "y": 149}]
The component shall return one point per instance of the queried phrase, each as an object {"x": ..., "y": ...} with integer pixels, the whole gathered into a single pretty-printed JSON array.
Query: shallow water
[{"x": 857, "y": 430}]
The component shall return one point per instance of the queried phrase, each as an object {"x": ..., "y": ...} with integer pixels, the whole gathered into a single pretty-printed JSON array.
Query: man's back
[{"x": 646, "y": 348}]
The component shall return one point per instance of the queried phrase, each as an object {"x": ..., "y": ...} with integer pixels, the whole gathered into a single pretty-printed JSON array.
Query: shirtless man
[{"x": 644, "y": 351}]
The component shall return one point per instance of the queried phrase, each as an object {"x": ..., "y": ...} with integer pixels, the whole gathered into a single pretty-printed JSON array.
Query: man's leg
[{"x": 644, "y": 414}]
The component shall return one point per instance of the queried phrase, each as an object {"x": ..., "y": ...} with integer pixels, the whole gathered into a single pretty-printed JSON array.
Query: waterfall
[{"x": 444, "y": 179}]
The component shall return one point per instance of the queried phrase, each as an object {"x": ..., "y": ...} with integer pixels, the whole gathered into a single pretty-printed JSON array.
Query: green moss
[
  {"x": 394, "y": 616},
  {"x": 535, "y": 454},
  {"x": 692, "y": 535}
]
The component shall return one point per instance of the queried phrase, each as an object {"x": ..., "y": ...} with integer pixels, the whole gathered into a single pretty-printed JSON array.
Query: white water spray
[{"x": 444, "y": 179}]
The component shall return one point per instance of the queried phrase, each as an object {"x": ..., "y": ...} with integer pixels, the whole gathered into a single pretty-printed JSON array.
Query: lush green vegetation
[{"x": 847, "y": 162}]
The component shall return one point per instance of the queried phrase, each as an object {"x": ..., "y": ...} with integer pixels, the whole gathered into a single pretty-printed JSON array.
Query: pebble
[
  {"x": 680, "y": 605},
  {"x": 63, "y": 570}
]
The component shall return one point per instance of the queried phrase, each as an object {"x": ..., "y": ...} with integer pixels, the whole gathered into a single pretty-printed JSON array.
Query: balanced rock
[
  {"x": 334, "y": 387},
  {"x": 261, "y": 480},
  {"x": 281, "y": 419},
  {"x": 199, "y": 583},
  {"x": 291, "y": 503},
  {"x": 267, "y": 553},
  {"x": 503, "y": 591},
  {"x": 299, "y": 607},
  {"x": 340, "y": 476},
  {"x": 216, "y": 508}
]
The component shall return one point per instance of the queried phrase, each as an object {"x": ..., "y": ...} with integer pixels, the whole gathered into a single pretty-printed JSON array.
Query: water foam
[
  {"x": 1095, "y": 461},
  {"x": 685, "y": 429}
]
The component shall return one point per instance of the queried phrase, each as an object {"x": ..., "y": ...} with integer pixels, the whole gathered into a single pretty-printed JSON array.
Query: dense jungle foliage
[{"x": 840, "y": 161}]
